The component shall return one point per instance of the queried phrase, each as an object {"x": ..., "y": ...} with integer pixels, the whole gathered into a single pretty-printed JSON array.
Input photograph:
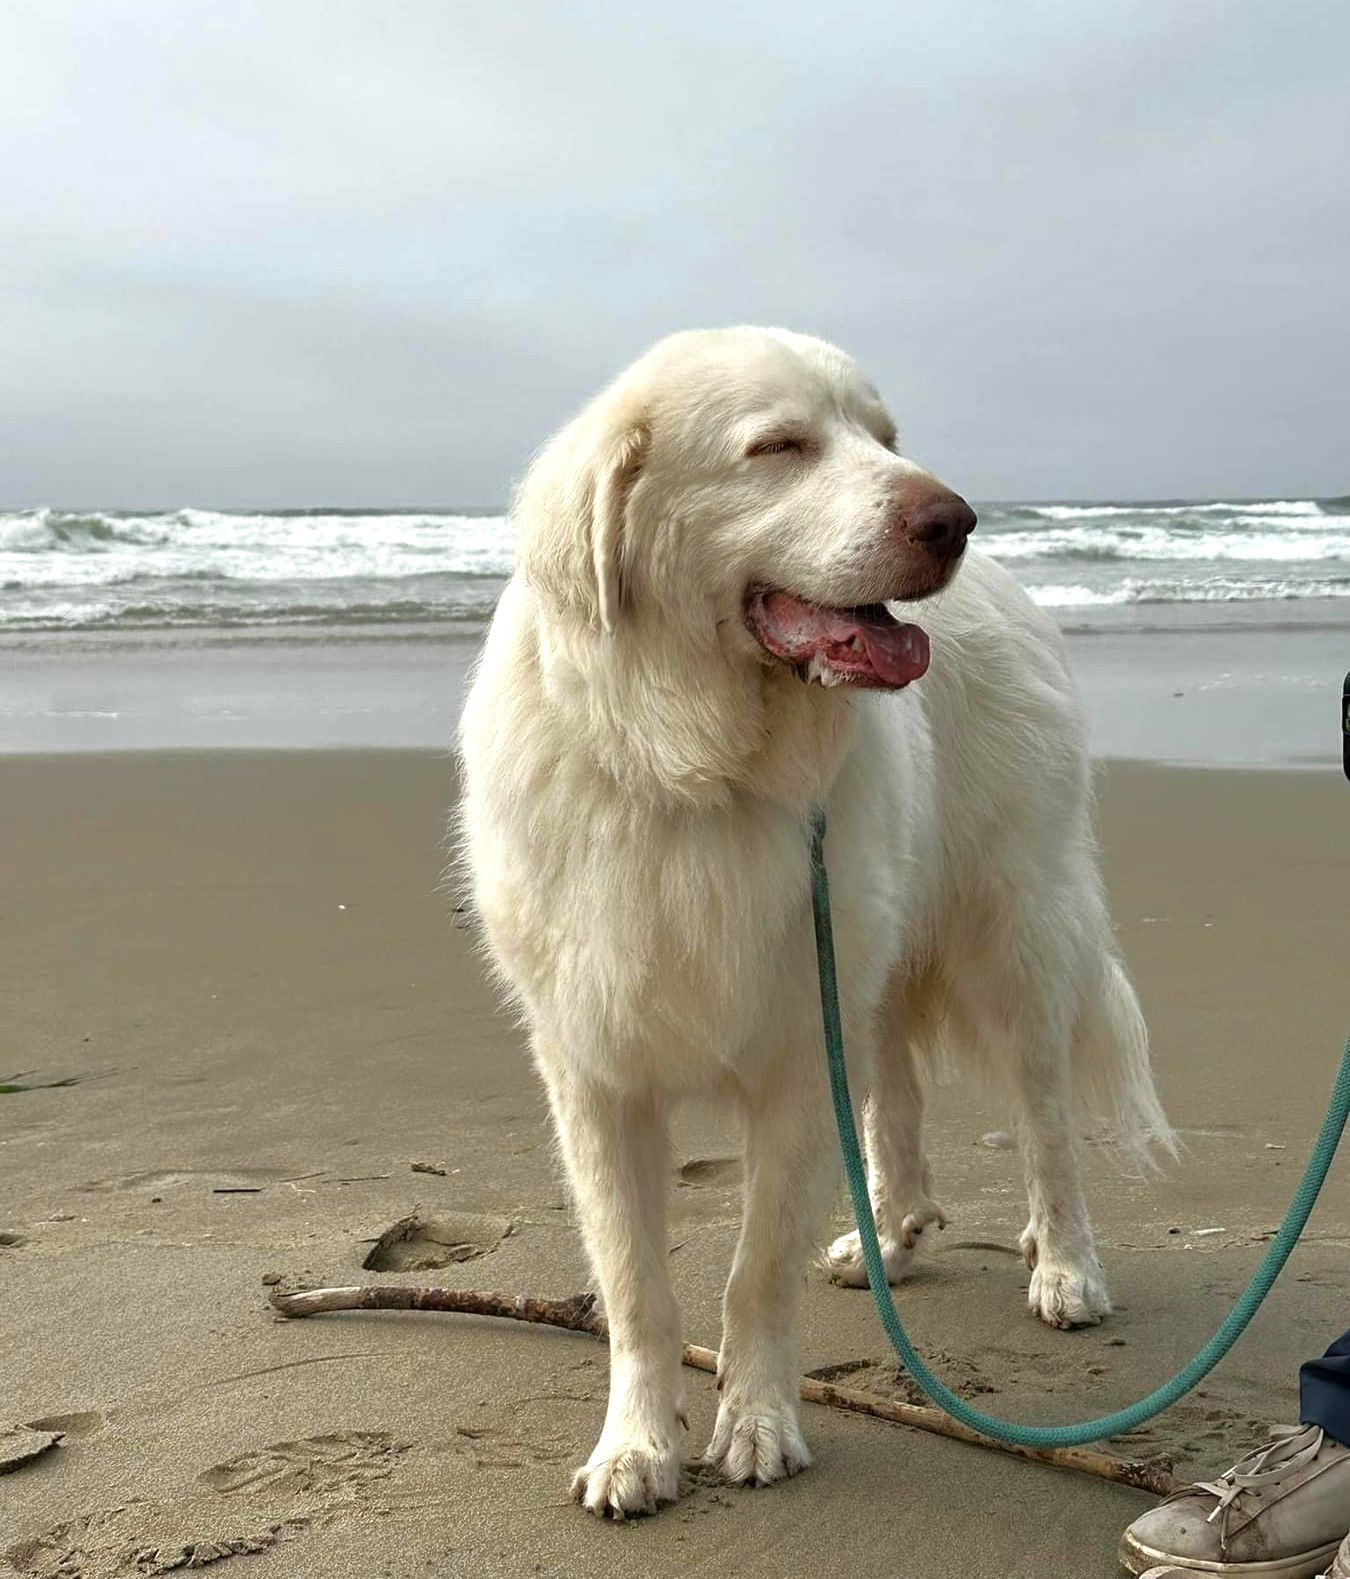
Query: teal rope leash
[{"x": 1122, "y": 1420}]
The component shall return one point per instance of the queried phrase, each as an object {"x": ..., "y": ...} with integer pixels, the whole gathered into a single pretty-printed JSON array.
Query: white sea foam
[
  {"x": 1216, "y": 589},
  {"x": 48, "y": 547},
  {"x": 1082, "y": 512},
  {"x": 1148, "y": 541},
  {"x": 202, "y": 568}
]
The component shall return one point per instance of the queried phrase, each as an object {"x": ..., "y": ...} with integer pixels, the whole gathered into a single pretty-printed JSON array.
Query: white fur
[{"x": 638, "y": 780}]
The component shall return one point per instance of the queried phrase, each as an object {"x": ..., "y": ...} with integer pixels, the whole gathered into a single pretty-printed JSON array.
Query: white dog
[{"x": 695, "y": 650}]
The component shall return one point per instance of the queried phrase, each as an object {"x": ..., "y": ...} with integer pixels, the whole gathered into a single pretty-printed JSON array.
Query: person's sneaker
[
  {"x": 1281, "y": 1512},
  {"x": 1340, "y": 1567}
]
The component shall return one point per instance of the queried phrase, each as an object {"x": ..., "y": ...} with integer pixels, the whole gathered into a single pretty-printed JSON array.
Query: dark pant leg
[{"x": 1324, "y": 1391}]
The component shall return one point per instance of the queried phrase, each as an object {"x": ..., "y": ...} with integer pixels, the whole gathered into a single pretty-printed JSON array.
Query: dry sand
[{"x": 245, "y": 960}]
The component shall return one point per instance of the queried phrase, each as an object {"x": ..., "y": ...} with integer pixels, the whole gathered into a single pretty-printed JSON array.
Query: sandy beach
[{"x": 246, "y": 962}]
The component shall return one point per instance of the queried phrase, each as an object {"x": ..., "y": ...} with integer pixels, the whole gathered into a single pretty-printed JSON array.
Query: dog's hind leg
[
  {"x": 898, "y": 1176},
  {"x": 617, "y": 1154},
  {"x": 1027, "y": 980},
  {"x": 1068, "y": 1286}
]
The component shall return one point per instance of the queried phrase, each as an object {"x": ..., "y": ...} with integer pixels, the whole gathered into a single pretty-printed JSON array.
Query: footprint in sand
[
  {"x": 488, "y": 1448},
  {"x": 1197, "y": 1435},
  {"x": 152, "y": 1560},
  {"x": 70, "y": 1548},
  {"x": 130, "y": 1539},
  {"x": 886, "y": 1379},
  {"x": 341, "y": 1460},
  {"x": 420, "y": 1244},
  {"x": 76, "y": 1425},
  {"x": 145, "y": 1537}
]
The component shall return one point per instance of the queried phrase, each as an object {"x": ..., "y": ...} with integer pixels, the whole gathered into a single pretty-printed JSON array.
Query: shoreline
[{"x": 1187, "y": 694}]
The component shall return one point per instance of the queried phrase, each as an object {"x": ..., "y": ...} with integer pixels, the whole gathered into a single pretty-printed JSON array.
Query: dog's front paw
[
  {"x": 1066, "y": 1293},
  {"x": 756, "y": 1443},
  {"x": 624, "y": 1476}
]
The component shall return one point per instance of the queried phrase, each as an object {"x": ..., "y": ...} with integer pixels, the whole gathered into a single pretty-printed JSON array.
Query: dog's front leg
[
  {"x": 788, "y": 1176},
  {"x": 617, "y": 1154}
]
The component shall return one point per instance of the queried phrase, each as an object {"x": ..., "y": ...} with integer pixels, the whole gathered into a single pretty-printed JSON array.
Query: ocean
[
  {"x": 1211, "y": 632},
  {"x": 1098, "y": 566}
]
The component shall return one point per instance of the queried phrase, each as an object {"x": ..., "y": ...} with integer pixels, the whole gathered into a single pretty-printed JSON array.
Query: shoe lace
[{"x": 1290, "y": 1448}]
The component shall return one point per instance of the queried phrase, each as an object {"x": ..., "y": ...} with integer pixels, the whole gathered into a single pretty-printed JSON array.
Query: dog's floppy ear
[
  {"x": 614, "y": 479},
  {"x": 572, "y": 507}
]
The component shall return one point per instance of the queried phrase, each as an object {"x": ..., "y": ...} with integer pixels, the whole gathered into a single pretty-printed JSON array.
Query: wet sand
[
  {"x": 246, "y": 962},
  {"x": 1233, "y": 692}
]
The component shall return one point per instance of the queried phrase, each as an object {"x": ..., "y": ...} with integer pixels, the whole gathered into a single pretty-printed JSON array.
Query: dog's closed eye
[{"x": 776, "y": 444}]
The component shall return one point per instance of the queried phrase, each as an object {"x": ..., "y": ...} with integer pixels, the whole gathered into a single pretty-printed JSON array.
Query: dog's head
[{"x": 743, "y": 487}]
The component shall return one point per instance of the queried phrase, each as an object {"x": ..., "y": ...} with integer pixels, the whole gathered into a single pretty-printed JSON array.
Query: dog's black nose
[{"x": 942, "y": 523}]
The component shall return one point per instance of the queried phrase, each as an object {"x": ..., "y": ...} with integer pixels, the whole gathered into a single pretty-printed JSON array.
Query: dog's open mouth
[{"x": 863, "y": 646}]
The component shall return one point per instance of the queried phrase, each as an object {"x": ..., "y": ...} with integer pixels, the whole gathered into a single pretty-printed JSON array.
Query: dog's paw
[
  {"x": 844, "y": 1261},
  {"x": 1065, "y": 1293},
  {"x": 624, "y": 1477},
  {"x": 754, "y": 1444}
]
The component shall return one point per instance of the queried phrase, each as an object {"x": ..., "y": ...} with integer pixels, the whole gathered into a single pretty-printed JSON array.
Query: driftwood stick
[
  {"x": 577, "y": 1314},
  {"x": 580, "y": 1314},
  {"x": 1147, "y": 1474}
]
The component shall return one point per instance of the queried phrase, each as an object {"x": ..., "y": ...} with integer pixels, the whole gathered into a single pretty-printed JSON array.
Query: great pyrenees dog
[{"x": 736, "y": 601}]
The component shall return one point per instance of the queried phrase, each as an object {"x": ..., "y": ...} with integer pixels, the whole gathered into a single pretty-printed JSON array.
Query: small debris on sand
[{"x": 21, "y": 1444}]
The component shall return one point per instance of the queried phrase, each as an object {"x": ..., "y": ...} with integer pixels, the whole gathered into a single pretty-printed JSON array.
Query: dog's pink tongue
[
  {"x": 897, "y": 653},
  {"x": 891, "y": 654}
]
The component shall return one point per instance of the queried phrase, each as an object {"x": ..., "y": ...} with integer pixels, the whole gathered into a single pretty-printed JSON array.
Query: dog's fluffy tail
[{"x": 1112, "y": 1071}]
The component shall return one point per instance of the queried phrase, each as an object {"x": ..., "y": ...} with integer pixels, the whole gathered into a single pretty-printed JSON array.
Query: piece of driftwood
[{"x": 579, "y": 1313}]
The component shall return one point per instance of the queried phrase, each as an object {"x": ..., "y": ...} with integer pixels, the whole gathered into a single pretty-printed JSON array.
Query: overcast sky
[{"x": 296, "y": 253}]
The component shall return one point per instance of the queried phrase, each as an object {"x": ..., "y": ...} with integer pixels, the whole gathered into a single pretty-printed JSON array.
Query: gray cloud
[{"x": 299, "y": 253}]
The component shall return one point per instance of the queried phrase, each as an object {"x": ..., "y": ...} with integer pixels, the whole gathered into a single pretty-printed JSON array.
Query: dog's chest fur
[
  {"x": 668, "y": 942},
  {"x": 656, "y": 945}
]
